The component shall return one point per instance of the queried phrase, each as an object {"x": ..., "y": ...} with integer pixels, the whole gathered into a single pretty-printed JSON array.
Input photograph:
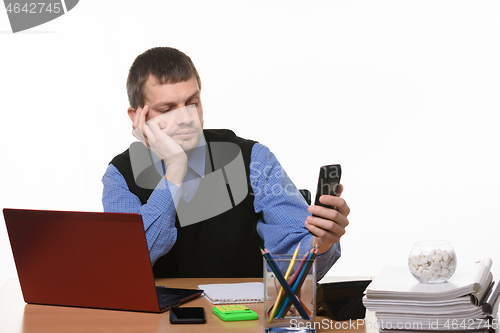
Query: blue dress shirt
[{"x": 283, "y": 208}]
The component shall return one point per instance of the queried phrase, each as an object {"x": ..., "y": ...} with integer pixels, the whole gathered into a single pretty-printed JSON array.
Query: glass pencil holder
[{"x": 281, "y": 314}]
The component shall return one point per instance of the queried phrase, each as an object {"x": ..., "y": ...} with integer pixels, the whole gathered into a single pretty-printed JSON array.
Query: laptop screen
[{"x": 84, "y": 259}]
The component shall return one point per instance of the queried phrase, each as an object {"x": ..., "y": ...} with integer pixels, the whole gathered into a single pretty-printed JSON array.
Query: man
[{"x": 196, "y": 227}]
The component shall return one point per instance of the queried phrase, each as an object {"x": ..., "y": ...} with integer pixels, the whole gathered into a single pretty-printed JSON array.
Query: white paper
[{"x": 230, "y": 293}]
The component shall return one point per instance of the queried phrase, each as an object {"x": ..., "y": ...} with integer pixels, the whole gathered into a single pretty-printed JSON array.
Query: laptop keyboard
[
  {"x": 172, "y": 297},
  {"x": 165, "y": 298}
]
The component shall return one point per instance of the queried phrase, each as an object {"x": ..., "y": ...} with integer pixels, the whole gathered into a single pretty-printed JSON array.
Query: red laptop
[{"x": 84, "y": 259}]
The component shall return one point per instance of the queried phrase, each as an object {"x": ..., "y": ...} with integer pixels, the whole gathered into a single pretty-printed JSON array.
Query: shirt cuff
[{"x": 326, "y": 260}]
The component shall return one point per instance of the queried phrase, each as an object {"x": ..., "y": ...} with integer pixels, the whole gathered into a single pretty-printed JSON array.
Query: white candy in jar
[{"x": 433, "y": 264}]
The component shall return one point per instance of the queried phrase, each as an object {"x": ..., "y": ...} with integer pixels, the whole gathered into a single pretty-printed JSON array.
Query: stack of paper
[{"x": 402, "y": 304}]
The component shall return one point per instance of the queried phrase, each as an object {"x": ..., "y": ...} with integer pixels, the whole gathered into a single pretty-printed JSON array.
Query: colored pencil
[
  {"x": 286, "y": 301},
  {"x": 297, "y": 272},
  {"x": 298, "y": 284},
  {"x": 299, "y": 269},
  {"x": 292, "y": 280},
  {"x": 287, "y": 274}
]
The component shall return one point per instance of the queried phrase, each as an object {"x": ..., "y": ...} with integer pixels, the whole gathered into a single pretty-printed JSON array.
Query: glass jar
[{"x": 432, "y": 261}]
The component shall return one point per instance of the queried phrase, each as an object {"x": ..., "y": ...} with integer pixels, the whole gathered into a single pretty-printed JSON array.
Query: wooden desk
[{"x": 17, "y": 316}]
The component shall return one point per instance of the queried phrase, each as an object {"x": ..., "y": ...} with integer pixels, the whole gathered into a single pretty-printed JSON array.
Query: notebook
[
  {"x": 85, "y": 259},
  {"x": 232, "y": 293}
]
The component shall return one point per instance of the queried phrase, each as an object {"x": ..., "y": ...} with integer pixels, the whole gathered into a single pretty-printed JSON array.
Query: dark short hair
[{"x": 167, "y": 64}]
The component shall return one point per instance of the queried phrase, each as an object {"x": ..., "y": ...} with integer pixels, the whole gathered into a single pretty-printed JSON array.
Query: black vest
[{"x": 226, "y": 245}]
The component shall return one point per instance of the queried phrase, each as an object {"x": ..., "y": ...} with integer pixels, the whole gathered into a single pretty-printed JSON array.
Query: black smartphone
[
  {"x": 328, "y": 183},
  {"x": 306, "y": 195},
  {"x": 195, "y": 315}
]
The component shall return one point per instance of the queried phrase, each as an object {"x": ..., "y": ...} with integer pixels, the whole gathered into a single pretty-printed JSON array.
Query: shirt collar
[{"x": 196, "y": 160}]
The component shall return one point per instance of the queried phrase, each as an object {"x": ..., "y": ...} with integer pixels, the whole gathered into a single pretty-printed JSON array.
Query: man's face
[{"x": 177, "y": 107}]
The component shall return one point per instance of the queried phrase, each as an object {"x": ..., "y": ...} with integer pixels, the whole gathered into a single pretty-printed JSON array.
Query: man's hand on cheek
[
  {"x": 164, "y": 147},
  {"x": 152, "y": 134},
  {"x": 138, "y": 121},
  {"x": 329, "y": 224}
]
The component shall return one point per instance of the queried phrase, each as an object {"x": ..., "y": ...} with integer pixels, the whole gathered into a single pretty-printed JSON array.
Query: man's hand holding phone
[
  {"x": 329, "y": 212},
  {"x": 328, "y": 224}
]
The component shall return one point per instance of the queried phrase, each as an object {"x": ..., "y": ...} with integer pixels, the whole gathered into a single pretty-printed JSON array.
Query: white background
[{"x": 403, "y": 94}]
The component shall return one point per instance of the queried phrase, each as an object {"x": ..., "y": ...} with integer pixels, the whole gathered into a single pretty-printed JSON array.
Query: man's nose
[{"x": 183, "y": 116}]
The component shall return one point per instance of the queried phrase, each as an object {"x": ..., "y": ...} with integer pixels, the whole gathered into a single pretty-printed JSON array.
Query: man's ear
[{"x": 131, "y": 113}]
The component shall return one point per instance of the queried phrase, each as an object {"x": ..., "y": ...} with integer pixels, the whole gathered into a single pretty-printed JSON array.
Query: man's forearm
[
  {"x": 158, "y": 214},
  {"x": 175, "y": 173}
]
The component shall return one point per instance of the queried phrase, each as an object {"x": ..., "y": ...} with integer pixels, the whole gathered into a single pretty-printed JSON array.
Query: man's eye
[{"x": 164, "y": 111}]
